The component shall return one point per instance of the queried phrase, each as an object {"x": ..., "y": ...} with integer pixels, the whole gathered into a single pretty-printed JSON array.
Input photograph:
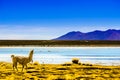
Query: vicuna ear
[
  {"x": 12, "y": 56},
  {"x": 32, "y": 50}
]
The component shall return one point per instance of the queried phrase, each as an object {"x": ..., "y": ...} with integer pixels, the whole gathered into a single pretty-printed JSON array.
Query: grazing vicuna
[{"x": 22, "y": 60}]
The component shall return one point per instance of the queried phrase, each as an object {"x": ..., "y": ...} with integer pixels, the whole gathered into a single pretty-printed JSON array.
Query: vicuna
[{"x": 22, "y": 60}]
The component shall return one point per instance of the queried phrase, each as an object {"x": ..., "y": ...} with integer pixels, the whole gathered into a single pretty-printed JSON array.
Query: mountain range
[{"x": 110, "y": 34}]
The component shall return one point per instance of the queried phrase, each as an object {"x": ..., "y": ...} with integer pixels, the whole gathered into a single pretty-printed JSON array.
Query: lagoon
[{"x": 58, "y": 55}]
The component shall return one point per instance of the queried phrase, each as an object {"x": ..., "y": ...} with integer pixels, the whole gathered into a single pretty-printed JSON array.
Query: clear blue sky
[{"x": 48, "y": 19}]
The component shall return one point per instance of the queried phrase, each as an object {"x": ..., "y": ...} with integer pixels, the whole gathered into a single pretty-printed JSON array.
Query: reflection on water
[{"x": 99, "y": 55}]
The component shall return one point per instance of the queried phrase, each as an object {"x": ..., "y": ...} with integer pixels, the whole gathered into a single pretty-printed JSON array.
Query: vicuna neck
[{"x": 30, "y": 55}]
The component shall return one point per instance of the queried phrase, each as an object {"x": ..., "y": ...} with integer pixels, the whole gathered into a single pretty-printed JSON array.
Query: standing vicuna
[{"x": 22, "y": 60}]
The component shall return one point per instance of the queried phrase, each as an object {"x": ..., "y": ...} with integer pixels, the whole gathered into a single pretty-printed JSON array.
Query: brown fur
[{"x": 22, "y": 60}]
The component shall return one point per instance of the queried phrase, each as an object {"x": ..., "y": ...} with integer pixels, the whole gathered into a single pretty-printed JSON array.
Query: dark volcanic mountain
[{"x": 110, "y": 34}]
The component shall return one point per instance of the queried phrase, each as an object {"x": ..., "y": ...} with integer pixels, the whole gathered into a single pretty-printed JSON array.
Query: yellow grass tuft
[
  {"x": 36, "y": 63},
  {"x": 67, "y": 64}
]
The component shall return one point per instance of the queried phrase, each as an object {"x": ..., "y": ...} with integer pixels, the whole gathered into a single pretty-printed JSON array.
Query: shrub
[{"x": 75, "y": 60}]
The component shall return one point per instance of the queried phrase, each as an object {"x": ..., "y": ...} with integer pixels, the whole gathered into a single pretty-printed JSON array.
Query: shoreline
[
  {"x": 61, "y": 43},
  {"x": 60, "y": 46}
]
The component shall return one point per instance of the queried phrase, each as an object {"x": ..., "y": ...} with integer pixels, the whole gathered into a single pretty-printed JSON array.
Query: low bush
[{"x": 75, "y": 60}]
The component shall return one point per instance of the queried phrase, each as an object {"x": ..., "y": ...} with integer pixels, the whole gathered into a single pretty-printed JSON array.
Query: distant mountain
[{"x": 110, "y": 34}]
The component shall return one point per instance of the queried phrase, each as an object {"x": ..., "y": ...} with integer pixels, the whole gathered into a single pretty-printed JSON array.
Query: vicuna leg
[
  {"x": 26, "y": 66},
  {"x": 22, "y": 67},
  {"x": 15, "y": 65}
]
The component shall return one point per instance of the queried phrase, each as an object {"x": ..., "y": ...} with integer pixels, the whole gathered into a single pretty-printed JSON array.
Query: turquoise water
[{"x": 55, "y": 55}]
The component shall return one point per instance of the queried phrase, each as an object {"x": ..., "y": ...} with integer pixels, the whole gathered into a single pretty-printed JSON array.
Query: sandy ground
[{"x": 67, "y": 71}]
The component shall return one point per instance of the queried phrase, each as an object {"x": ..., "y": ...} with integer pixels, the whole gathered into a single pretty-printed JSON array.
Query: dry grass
[{"x": 38, "y": 71}]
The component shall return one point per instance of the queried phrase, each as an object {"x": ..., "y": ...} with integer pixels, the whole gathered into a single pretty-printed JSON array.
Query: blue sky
[{"x": 48, "y": 19}]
